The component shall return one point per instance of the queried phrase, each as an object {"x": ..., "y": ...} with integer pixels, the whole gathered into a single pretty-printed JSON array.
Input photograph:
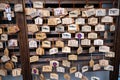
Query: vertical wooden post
[
  {"x": 116, "y": 60},
  {"x": 23, "y": 42}
]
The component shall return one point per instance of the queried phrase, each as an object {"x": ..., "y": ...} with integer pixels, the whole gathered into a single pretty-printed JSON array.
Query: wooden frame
[{"x": 23, "y": 38}]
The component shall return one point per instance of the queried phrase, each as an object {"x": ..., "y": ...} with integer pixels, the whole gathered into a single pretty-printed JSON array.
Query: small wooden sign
[
  {"x": 74, "y": 13},
  {"x": 86, "y": 28},
  {"x": 2, "y": 6},
  {"x": 73, "y": 70},
  {"x": 54, "y": 21},
  {"x": 29, "y": 11},
  {"x": 78, "y": 75},
  {"x": 13, "y": 29},
  {"x": 72, "y": 28},
  {"x": 16, "y": 72},
  {"x": 92, "y": 21},
  {"x": 54, "y": 63},
  {"x": 40, "y": 51},
  {"x": 112, "y": 27},
  {"x": 110, "y": 54},
  {"x": 54, "y": 76},
  {"x": 84, "y": 69},
  {"x": 46, "y": 44},
  {"x": 59, "y": 43},
  {"x": 53, "y": 51},
  {"x": 92, "y": 35},
  {"x": 38, "y": 21},
  {"x": 107, "y": 19},
  {"x": 91, "y": 63},
  {"x": 96, "y": 67},
  {"x": 35, "y": 71},
  {"x": 66, "y": 63},
  {"x": 34, "y": 59},
  {"x": 79, "y": 50},
  {"x": 60, "y": 69},
  {"x": 98, "y": 42},
  {"x": 67, "y": 21},
  {"x": 86, "y": 42},
  {"x": 1, "y": 31},
  {"x": 4, "y": 37},
  {"x": 66, "y": 49},
  {"x": 82, "y": 35},
  {"x": 67, "y": 77},
  {"x": 60, "y": 12},
  {"x": 32, "y": 44},
  {"x": 109, "y": 68},
  {"x": 5, "y": 58},
  {"x": 1, "y": 45},
  {"x": 100, "y": 12},
  {"x": 47, "y": 68},
  {"x": 88, "y": 13},
  {"x": 91, "y": 49},
  {"x": 59, "y": 28},
  {"x": 100, "y": 27},
  {"x": 104, "y": 49},
  {"x": 45, "y": 28},
  {"x": 18, "y": 8},
  {"x": 9, "y": 15},
  {"x": 3, "y": 72},
  {"x": 38, "y": 4},
  {"x": 103, "y": 62},
  {"x": 32, "y": 28},
  {"x": 89, "y": 6},
  {"x": 44, "y": 12},
  {"x": 73, "y": 57},
  {"x": 14, "y": 58},
  {"x": 66, "y": 35},
  {"x": 114, "y": 12},
  {"x": 80, "y": 21},
  {"x": 73, "y": 43},
  {"x": 40, "y": 36},
  {"x": 12, "y": 43}
]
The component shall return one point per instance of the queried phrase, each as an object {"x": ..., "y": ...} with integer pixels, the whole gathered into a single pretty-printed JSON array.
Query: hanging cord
[
  {"x": 73, "y": 4},
  {"x": 114, "y": 1},
  {"x": 100, "y": 4},
  {"x": 59, "y": 1}
]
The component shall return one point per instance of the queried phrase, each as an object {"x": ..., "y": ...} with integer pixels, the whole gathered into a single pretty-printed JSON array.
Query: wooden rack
[{"x": 23, "y": 36}]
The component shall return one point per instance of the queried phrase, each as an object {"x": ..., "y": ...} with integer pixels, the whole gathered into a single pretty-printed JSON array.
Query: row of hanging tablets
[
  {"x": 90, "y": 26},
  {"x": 9, "y": 61}
]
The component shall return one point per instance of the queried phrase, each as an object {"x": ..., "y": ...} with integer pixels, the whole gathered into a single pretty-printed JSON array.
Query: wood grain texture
[{"x": 23, "y": 41}]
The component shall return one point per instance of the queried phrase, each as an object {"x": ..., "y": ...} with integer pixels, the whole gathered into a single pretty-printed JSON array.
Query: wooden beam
[
  {"x": 62, "y": 1},
  {"x": 116, "y": 61},
  {"x": 23, "y": 42}
]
